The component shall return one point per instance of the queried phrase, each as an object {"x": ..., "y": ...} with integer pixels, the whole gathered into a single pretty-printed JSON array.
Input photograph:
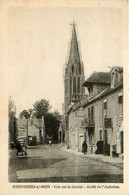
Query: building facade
[
  {"x": 31, "y": 129},
  {"x": 98, "y": 119}
]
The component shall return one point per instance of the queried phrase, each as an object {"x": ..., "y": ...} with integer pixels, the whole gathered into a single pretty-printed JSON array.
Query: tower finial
[{"x": 73, "y": 24}]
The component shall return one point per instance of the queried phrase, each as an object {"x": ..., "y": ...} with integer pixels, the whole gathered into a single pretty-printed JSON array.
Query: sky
[{"x": 38, "y": 49}]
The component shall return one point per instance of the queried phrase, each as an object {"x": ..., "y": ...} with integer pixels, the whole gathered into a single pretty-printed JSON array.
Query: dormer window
[
  {"x": 116, "y": 76},
  {"x": 112, "y": 79}
]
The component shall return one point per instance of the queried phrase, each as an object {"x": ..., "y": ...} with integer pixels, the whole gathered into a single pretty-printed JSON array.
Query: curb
[{"x": 118, "y": 164}]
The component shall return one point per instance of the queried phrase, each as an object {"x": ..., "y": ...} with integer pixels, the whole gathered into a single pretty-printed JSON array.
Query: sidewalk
[
  {"x": 118, "y": 162},
  {"x": 12, "y": 152}
]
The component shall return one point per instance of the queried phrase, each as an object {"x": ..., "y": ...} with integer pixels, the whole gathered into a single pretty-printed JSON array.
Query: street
[{"x": 51, "y": 164}]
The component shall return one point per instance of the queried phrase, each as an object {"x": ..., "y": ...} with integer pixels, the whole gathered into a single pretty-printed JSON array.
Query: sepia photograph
[{"x": 65, "y": 95}]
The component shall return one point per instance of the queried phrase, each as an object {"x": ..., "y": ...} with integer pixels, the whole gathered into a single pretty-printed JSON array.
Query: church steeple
[
  {"x": 74, "y": 73},
  {"x": 74, "y": 51}
]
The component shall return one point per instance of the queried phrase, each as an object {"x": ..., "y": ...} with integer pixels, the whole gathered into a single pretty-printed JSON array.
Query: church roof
[
  {"x": 98, "y": 77},
  {"x": 74, "y": 50}
]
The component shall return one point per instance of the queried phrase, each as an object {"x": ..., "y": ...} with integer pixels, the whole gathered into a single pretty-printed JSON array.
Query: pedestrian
[
  {"x": 84, "y": 147},
  {"x": 50, "y": 143},
  {"x": 18, "y": 147}
]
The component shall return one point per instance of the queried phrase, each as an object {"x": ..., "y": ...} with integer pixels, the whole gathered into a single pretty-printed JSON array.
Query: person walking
[
  {"x": 50, "y": 143},
  {"x": 84, "y": 147}
]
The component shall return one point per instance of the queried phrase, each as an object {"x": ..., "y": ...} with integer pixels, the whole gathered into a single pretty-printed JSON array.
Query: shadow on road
[
  {"x": 16, "y": 164},
  {"x": 80, "y": 179}
]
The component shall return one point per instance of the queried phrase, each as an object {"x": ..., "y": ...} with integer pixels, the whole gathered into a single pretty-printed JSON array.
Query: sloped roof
[
  {"x": 104, "y": 93},
  {"x": 98, "y": 77},
  {"x": 22, "y": 123}
]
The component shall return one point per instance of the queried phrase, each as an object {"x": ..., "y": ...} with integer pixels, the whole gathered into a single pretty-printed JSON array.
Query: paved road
[{"x": 51, "y": 164}]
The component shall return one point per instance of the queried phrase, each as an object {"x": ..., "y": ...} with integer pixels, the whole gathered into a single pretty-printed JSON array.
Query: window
[
  {"x": 100, "y": 135},
  {"x": 74, "y": 85},
  {"x": 91, "y": 115},
  {"x": 78, "y": 85},
  {"x": 91, "y": 91},
  {"x": 120, "y": 98},
  {"x": 92, "y": 112},
  {"x": 89, "y": 112},
  {"x": 105, "y": 136},
  {"x": 79, "y": 69},
  {"x": 105, "y": 104},
  {"x": 72, "y": 69},
  {"x": 90, "y": 139}
]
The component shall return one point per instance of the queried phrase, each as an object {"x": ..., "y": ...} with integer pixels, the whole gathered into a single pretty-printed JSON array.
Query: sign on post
[{"x": 108, "y": 123}]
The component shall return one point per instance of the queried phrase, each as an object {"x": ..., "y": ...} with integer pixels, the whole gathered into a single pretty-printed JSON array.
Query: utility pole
[
  {"x": 44, "y": 131},
  {"x": 26, "y": 132}
]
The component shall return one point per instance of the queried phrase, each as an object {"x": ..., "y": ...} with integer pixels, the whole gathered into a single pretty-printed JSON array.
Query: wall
[
  {"x": 98, "y": 88},
  {"x": 75, "y": 129},
  {"x": 115, "y": 112}
]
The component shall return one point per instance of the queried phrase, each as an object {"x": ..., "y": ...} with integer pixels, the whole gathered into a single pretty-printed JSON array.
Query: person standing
[{"x": 84, "y": 147}]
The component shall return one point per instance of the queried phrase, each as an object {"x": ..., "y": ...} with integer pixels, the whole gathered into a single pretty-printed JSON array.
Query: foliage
[
  {"x": 57, "y": 115},
  {"x": 11, "y": 108},
  {"x": 12, "y": 120},
  {"x": 24, "y": 114},
  {"x": 40, "y": 108},
  {"x": 52, "y": 123}
]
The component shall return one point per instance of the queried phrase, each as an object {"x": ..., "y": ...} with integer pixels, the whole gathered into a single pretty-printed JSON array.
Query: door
[
  {"x": 121, "y": 141},
  {"x": 90, "y": 143},
  {"x": 81, "y": 139},
  {"x": 105, "y": 142}
]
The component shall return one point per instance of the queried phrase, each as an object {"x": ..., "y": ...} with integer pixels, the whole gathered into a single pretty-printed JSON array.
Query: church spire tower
[
  {"x": 74, "y": 73},
  {"x": 74, "y": 51}
]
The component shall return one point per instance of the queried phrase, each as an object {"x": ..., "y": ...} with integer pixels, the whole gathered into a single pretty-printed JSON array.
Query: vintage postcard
[{"x": 64, "y": 97}]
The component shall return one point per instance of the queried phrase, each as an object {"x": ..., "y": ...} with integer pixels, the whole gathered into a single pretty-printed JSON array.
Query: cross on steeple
[{"x": 73, "y": 24}]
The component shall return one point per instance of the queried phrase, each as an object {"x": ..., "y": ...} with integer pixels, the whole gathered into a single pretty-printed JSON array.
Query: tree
[
  {"x": 11, "y": 108},
  {"x": 52, "y": 123},
  {"x": 57, "y": 115},
  {"x": 40, "y": 108},
  {"x": 24, "y": 114},
  {"x": 12, "y": 125},
  {"x": 31, "y": 112}
]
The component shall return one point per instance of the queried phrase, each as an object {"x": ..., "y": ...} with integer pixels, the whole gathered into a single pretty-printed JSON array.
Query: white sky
[{"x": 38, "y": 45}]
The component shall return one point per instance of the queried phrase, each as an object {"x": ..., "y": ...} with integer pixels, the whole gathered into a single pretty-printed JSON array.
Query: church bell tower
[{"x": 74, "y": 74}]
